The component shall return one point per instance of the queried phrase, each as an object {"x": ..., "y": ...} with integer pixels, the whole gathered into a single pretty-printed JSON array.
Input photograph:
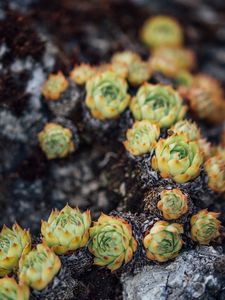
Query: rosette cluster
[
  {"x": 177, "y": 158},
  {"x": 158, "y": 103},
  {"x": 14, "y": 243},
  {"x": 142, "y": 137},
  {"x": 38, "y": 267},
  {"x": 205, "y": 227},
  {"x": 106, "y": 95},
  {"x": 173, "y": 204},
  {"x": 112, "y": 242},
  {"x": 66, "y": 230},
  {"x": 56, "y": 141},
  {"x": 163, "y": 241}
]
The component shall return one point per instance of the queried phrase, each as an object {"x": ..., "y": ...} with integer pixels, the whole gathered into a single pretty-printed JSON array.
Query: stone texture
[{"x": 190, "y": 276}]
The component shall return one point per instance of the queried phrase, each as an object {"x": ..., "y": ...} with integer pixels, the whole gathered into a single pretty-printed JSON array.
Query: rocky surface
[{"x": 189, "y": 276}]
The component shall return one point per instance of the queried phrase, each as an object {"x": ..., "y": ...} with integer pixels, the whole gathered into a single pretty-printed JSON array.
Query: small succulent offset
[
  {"x": 80, "y": 74},
  {"x": 54, "y": 86},
  {"x": 163, "y": 241},
  {"x": 138, "y": 73},
  {"x": 38, "y": 267},
  {"x": 13, "y": 244},
  {"x": 111, "y": 242},
  {"x": 215, "y": 169},
  {"x": 56, "y": 141},
  {"x": 126, "y": 57},
  {"x": 142, "y": 137},
  {"x": 205, "y": 227},
  {"x": 186, "y": 128},
  {"x": 11, "y": 290},
  {"x": 177, "y": 158},
  {"x": 158, "y": 103},
  {"x": 66, "y": 230},
  {"x": 106, "y": 95},
  {"x": 161, "y": 31},
  {"x": 120, "y": 69},
  {"x": 173, "y": 204}
]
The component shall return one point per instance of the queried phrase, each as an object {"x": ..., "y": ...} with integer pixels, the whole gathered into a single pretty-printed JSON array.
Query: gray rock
[{"x": 190, "y": 276}]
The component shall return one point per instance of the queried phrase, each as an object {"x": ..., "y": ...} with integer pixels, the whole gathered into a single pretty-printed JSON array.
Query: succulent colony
[{"x": 167, "y": 166}]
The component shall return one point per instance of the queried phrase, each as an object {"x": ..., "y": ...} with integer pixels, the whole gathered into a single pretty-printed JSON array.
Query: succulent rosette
[
  {"x": 111, "y": 242},
  {"x": 66, "y": 230},
  {"x": 106, "y": 95},
  {"x": 163, "y": 241},
  {"x": 120, "y": 69},
  {"x": 215, "y": 169},
  {"x": 54, "y": 86},
  {"x": 158, "y": 103},
  {"x": 13, "y": 244},
  {"x": 186, "y": 128},
  {"x": 126, "y": 57},
  {"x": 38, "y": 268},
  {"x": 205, "y": 227},
  {"x": 177, "y": 158},
  {"x": 205, "y": 98},
  {"x": 173, "y": 204},
  {"x": 56, "y": 141},
  {"x": 138, "y": 73},
  {"x": 161, "y": 31},
  {"x": 80, "y": 74},
  {"x": 11, "y": 290},
  {"x": 142, "y": 137}
]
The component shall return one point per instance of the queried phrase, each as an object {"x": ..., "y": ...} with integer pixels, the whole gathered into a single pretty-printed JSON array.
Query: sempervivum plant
[
  {"x": 13, "y": 244},
  {"x": 158, "y": 103},
  {"x": 111, "y": 242},
  {"x": 186, "y": 128},
  {"x": 120, "y": 69},
  {"x": 170, "y": 61},
  {"x": 54, "y": 86},
  {"x": 205, "y": 227},
  {"x": 38, "y": 267},
  {"x": 142, "y": 137},
  {"x": 80, "y": 74},
  {"x": 56, "y": 141},
  {"x": 177, "y": 158},
  {"x": 126, "y": 57},
  {"x": 138, "y": 73},
  {"x": 106, "y": 95},
  {"x": 215, "y": 169},
  {"x": 161, "y": 31},
  {"x": 205, "y": 98},
  {"x": 173, "y": 204},
  {"x": 11, "y": 290},
  {"x": 66, "y": 230},
  {"x": 163, "y": 242}
]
